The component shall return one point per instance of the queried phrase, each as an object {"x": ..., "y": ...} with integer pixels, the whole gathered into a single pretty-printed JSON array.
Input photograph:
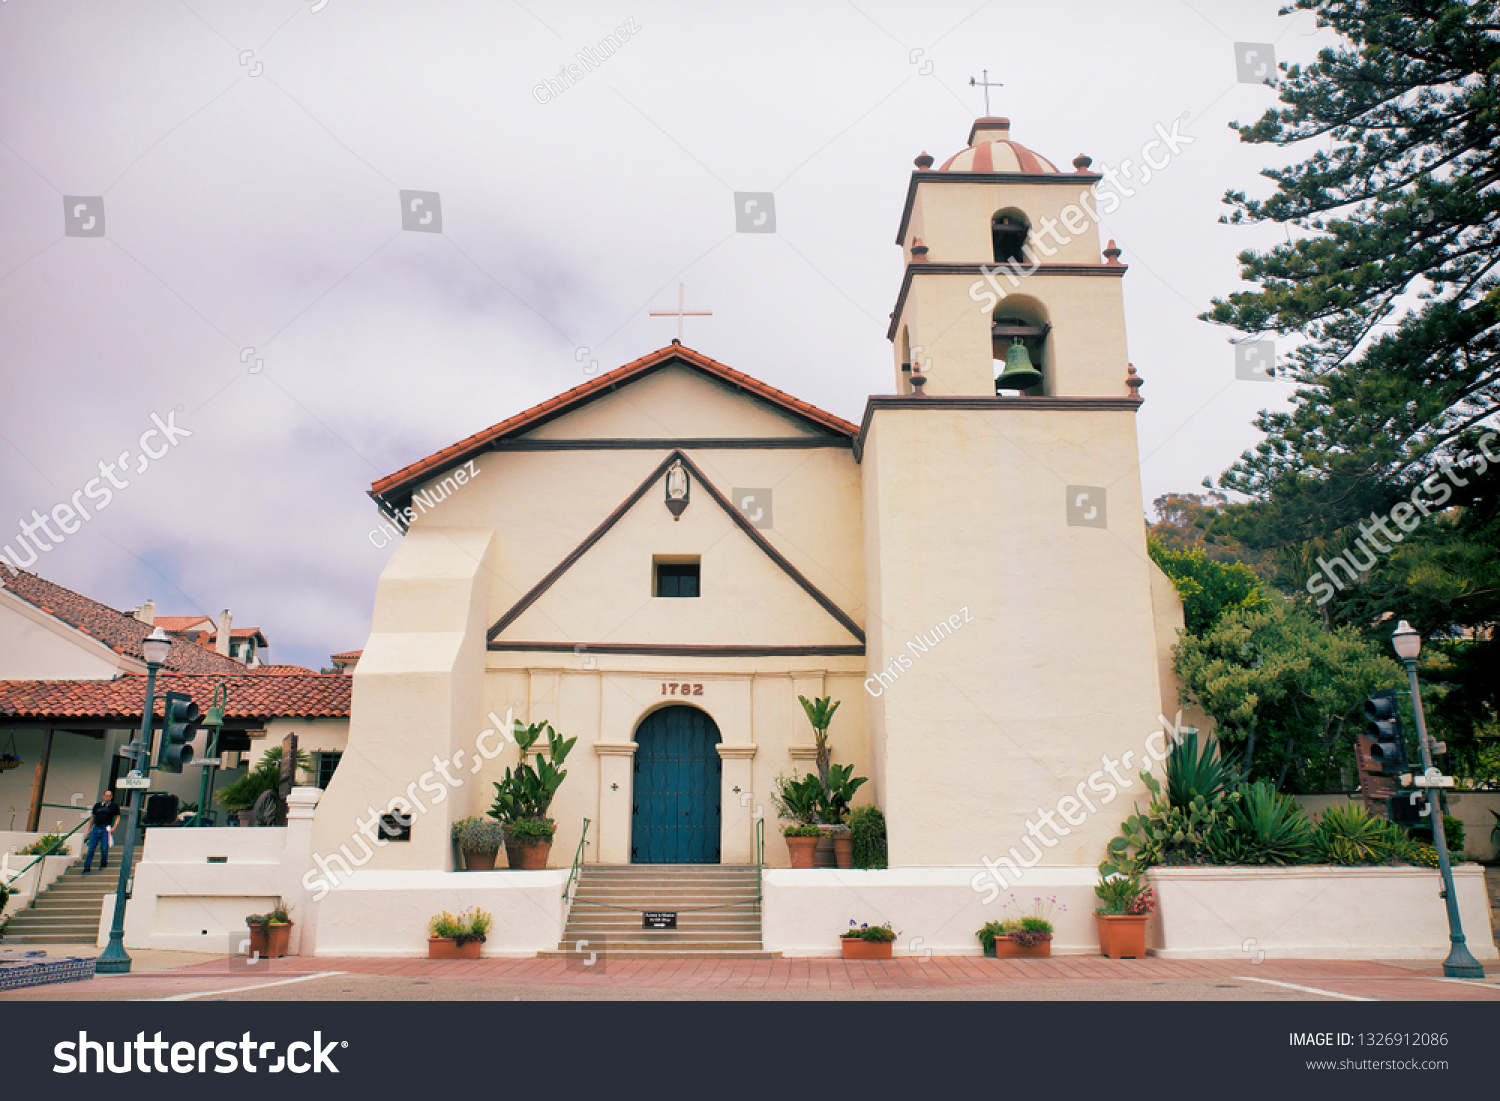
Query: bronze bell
[{"x": 1019, "y": 374}]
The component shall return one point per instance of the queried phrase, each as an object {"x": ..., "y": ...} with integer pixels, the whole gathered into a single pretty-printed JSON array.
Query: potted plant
[
  {"x": 801, "y": 843},
  {"x": 269, "y": 934},
  {"x": 834, "y": 796},
  {"x": 457, "y": 938},
  {"x": 868, "y": 942},
  {"x": 523, "y": 796},
  {"x": 479, "y": 839},
  {"x": 867, "y": 836},
  {"x": 1026, "y": 936},
  {"x": 1121, "y": 916},
  {"x": 528, "y": 841}
]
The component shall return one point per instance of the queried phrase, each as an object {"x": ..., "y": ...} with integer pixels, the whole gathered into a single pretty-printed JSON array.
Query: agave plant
[
  {"x": 1350, "y": 835},
  {"x": 1191, "y": 773},
  {"x": 1168, "y": 834},
  {"x": 1269, "y": 828}
]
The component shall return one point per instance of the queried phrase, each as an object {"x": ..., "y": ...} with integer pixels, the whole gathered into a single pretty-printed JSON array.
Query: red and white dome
[{"x": 991, "y": 150}]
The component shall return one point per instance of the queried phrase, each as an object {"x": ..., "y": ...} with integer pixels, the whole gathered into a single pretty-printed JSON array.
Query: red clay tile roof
[
  {"x": 404, "y": 479},
  {"x": 251, "y": 696},
  {"x": 182, "y": 622},
  {"x": 120, "y": 631},
  {"x": 347, "y": 655},
  {"x": 283, "y": 670}
]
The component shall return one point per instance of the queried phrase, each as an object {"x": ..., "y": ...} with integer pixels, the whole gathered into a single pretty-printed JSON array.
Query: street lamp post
[
  {"x": 1460, "y": 963},
  {"x": 114, "y": 960}
]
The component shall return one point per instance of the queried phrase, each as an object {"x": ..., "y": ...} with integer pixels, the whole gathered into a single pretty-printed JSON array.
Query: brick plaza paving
[{"x": 161, "y": 976}]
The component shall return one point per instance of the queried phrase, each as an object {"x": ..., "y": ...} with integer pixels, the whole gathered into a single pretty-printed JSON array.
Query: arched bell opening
[
  {"x": 1018, "y": 345},
  {"x": 1009, "y": 230}
]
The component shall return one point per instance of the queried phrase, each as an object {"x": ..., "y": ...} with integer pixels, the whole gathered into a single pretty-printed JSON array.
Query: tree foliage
[
  {"x": 1208, "y": 587},
  {"x": 1286, "y": 694}
]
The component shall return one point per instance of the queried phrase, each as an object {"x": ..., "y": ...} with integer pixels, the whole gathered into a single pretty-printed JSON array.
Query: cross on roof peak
[
  {"x": 681, "y": 312},
  {"x": 986, "y": 84}
]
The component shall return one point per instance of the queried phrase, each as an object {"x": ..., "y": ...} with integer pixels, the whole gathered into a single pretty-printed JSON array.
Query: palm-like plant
[
  {"x": 1269, "y": 828},
  {"x": 1350, "y": 835},
  {"x": 820, "y": 715},
  {"x": 1191, "y": 773}
]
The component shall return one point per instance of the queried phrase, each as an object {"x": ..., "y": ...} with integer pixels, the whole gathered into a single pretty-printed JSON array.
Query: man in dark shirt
[{"x": 102, "y": 833}]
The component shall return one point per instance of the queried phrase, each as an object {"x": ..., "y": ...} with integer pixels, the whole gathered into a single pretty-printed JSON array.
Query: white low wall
[
  {"x": 936, "y": 911},
  {"x": 1472, "y": 808},
  {"x": 183, "y": 902},
  {"x": 385, "y": 913},
  {"x": 1316, "y": 912}
]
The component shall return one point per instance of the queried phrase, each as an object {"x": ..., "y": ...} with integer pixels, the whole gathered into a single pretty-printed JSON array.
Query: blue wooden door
[{"x": 675, "y": 815}]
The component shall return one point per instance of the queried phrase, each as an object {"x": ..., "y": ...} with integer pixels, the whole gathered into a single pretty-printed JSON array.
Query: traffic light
[
  {"x": 1409, "y": 808},
  {"x": 1387, "y": 740},
  {"x": 178, "y": 729}
]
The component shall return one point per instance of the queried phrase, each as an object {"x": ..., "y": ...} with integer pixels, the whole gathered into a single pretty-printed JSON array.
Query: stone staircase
[
  {"x": 66, "y": 912},
  {"x": 717, "y": 913}
]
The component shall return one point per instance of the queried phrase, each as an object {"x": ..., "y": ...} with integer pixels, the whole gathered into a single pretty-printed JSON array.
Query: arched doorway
[{"x": 675, "y": 814}]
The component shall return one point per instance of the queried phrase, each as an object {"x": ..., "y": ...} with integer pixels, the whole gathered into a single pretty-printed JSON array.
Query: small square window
[{"x": 677, "y": 578}]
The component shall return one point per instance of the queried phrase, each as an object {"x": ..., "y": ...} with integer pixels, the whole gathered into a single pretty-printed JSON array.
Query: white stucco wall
[
  {"x": 1314, "y": 912},
  {"x": 35, "y": 646}
]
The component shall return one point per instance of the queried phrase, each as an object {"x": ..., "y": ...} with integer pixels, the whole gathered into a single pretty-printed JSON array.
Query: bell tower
[
  {"x": 1002, "y": 253},
  {"x": 1012, "y": 644}
]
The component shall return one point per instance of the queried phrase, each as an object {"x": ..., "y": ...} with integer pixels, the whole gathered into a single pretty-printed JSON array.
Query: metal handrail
[
  {"x": 577, "y": 859},
  {"x": 760, "y": 859},
  {"x": 39, "y": 857}
]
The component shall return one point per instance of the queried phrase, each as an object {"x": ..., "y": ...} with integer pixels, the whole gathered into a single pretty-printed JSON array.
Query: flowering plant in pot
[
  {"x": 270, "y": 934},
  {"x": 1026, "y": 936},
  {"x": 867, "y": 942},
  {"x": 1121, "y": 916},
  {"x": 457, "y": 938},
  {"x": 479, "y": 839},
  {"x": 526, "y": 792}
]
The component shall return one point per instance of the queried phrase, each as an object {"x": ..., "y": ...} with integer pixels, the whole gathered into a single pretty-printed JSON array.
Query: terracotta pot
[
  {"x": 448, "y": 948},
  {"x": 858, "y": 949},
  {"x": 843, "y": 849},
  {"x": 530, "y": 856},
  {"x": 801, "y": 850},
  {"x": 271, "y": 943},
  {"x": 823, "y": 855},
  {"x": 1122, "y": 936},
  {"x": 1007, "y": 949},
  {"x": 476, "y": 861}
]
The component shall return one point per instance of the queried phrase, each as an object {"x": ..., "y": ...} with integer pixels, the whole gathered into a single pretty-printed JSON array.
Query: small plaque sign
[
  {"x": 134, "y": 781},
  {"x": 658, "y": 919}
]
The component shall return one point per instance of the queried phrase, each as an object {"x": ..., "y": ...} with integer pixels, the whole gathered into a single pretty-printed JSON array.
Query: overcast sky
[{"x": 250, "y": 158}]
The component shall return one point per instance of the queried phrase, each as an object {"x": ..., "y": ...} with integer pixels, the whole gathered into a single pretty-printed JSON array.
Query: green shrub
[
  {"x": 265, "y": 776},
  {"x": 470, "y": 925},
  {"x": 527, "y": 831},
  {"x": 878, "y": 933},
  {"x": 1269, "y": 828},
  {"x": 42, "y": 846},
  {"x": 801, "y": 831},
  {"x": 1351, "y": 835},
  {"x": 1170, "y": 835},
  {"x": 867, "y": 827},
  {"x": 478, "y": 835}
]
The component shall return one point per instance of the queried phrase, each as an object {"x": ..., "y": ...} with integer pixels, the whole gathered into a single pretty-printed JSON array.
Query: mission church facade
[{"x": 662, "y": 560}]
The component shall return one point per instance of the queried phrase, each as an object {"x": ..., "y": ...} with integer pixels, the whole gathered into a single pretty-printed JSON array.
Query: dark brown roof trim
[
  {"x": 956, "y": 401},
  {"x": 680, "y": 651},
  {"x": 733, "y": 443},
  {"x": 723, "y": 502},
  {"x": 940, "y": 267}
]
